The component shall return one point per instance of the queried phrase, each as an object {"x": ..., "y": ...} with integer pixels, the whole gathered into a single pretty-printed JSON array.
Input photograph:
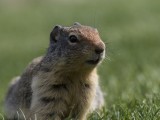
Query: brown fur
[{"x": 64, "y": 82}]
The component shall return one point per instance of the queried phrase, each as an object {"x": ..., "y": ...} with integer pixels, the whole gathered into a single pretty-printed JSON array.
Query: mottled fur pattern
[{"x": 64, "y": 82}]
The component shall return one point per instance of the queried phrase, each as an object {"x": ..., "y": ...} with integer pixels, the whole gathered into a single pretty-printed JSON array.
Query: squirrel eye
[{"x": 73, "y": 39}]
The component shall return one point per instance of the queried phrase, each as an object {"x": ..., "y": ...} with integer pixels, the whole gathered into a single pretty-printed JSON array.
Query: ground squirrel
[{"x": 64, "y": 82}]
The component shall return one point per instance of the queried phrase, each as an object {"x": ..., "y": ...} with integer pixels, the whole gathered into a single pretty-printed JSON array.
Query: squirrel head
[{"x": 77, "y": 46}]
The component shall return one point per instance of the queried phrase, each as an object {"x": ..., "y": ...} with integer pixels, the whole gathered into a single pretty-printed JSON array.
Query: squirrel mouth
[{"x": 93, "y": 62}]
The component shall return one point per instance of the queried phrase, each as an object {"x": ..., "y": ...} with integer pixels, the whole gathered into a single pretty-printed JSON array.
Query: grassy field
[{"x": 130, "y": 77}]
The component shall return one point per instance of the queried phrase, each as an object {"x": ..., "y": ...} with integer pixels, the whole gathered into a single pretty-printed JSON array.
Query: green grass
[{"x": 130, "y": 29}]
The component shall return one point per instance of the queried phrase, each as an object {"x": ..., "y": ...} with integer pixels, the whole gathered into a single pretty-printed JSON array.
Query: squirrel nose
[{"x": 99, "y": 50}]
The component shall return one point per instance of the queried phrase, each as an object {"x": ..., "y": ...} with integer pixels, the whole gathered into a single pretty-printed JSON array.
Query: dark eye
[{"x": 73, "y": 39}]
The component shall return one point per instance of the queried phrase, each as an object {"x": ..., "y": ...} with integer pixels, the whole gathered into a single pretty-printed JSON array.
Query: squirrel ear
[
  {"x": 54, "y": 33},
  {"x": 77, "y": 23}
]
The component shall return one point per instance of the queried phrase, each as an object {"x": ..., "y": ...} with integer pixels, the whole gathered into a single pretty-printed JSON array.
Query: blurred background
[{"x": 130, "y": 29}]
